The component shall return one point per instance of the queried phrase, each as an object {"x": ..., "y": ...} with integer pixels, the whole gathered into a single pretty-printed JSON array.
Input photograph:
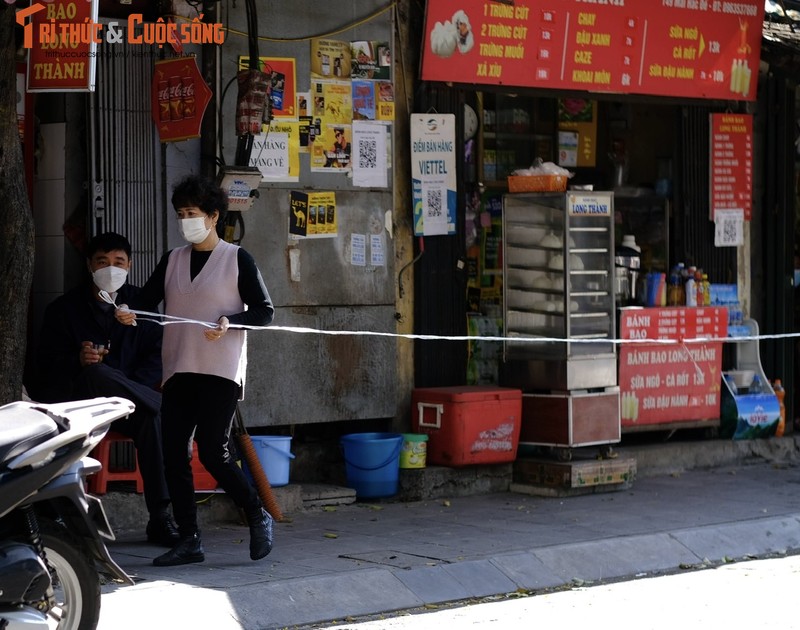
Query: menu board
[
  {"x": 683, "y": 48},
  {"x": 662, "y": 383},
  {"x": 731, "y": 163}
]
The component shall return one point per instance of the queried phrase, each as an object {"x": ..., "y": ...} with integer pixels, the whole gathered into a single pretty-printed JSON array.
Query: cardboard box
[{"x": 475, "y": 424}]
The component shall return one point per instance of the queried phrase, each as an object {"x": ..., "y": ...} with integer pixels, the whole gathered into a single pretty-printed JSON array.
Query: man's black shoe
[
  {"x": 188, "y": 550},
  {"x": 162, "y": 531},
  {"x": 260, "y": 533}
]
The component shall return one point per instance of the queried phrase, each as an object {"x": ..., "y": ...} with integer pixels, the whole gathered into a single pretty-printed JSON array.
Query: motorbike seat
[{"x": 21, "y": 428}]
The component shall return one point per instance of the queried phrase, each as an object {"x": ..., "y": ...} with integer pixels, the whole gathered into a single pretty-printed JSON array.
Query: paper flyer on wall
[
  {"x": 312, "y": 215},
  {"x": 371, "y": 60},
  {"x": 332, "y": 149},
  {"x": 369, "y": 155},
  {"x": 358, "y": 250},
  {"x": 363, "y": 100},
  {"x": 276, "y": 154},
  {"x": 330, "y": 59},
  {"x": 305, "y": 118},
  {"x": 729, "y": 227},
  {"x": 332, "y": 101}
]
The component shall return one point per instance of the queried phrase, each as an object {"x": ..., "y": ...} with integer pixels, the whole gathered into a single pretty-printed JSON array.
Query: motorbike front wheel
[{"x": 76, "y": 583}]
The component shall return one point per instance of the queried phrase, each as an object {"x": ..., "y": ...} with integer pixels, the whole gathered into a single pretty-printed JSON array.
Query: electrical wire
[{"x": 336, "y": 31}]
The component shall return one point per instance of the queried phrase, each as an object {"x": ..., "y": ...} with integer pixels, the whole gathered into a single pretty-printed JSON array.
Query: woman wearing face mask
[
  {"x": 83, "y": 352},
  {"x": 208, "y": 280}
]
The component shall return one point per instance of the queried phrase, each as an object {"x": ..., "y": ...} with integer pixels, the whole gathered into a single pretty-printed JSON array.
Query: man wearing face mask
[
  {"x": 85, "y": 352},
  {"x": 208, "y": 280}
]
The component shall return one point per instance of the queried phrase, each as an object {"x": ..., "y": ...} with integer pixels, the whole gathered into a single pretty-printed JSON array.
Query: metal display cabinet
[{"x": 559, "y": 316}]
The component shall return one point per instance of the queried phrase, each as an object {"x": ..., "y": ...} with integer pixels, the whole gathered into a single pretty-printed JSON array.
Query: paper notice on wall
[
  {"x": 369, "y": 155},
  {"x": 271, "y": 156},
  {"x": 358, "y": 250},
  {"x": 729, "y": 227},
  {"x": 377, "y": 252}
]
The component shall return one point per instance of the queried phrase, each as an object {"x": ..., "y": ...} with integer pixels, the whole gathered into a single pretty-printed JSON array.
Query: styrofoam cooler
[{"x": 474, "y": 424}]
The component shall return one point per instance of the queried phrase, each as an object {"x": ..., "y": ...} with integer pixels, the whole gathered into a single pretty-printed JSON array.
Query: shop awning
[{"x": 780, "y": 36}]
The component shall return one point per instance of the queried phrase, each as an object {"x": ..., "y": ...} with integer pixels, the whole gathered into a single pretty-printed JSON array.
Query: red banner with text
[
  {"x": 664, "y": 383},
  {"x": 694, "y": 48}
]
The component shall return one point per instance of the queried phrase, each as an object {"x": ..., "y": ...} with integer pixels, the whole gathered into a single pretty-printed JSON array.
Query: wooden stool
[{"x": 98, "y": 483}]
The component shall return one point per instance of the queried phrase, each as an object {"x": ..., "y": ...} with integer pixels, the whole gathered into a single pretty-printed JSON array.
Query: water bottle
[
  {"x": 691, "y": 291},
  {"x": 755, "y": 386},
  {"x": 731, "y": 384}
]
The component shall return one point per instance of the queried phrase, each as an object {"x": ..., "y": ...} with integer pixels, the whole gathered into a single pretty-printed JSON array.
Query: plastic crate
[{"x": 537, "y": 183}]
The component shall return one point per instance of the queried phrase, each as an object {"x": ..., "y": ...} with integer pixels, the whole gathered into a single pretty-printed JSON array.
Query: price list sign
[
  {"x": 670, "y": 383},
  {"x": 731, "y": 163},
  {"x": 682, "y": 48}
]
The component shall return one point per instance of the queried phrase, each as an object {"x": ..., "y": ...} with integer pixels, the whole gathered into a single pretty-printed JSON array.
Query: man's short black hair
[
  {"x": 202, "y": 193},
  {"x": 108, "y": 242}
]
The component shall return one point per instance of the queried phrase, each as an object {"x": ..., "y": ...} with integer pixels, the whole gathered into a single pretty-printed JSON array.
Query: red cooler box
[{"x": 468, "y": 425}]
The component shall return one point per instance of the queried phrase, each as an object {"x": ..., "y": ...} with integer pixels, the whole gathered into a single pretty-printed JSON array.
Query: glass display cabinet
[{"x": 559, "y": 315}]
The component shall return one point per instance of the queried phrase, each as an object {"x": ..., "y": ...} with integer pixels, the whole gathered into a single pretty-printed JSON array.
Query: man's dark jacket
[{"x": 76, "y": 317}]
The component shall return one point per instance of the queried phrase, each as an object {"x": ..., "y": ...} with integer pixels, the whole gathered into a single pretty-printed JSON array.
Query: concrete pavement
[{"x": 337, "y": 562}]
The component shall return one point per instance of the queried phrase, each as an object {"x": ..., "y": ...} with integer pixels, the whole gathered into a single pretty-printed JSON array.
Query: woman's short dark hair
[
  {"x": 108, "y": 242},
  {"x": 202, "y": 193}
]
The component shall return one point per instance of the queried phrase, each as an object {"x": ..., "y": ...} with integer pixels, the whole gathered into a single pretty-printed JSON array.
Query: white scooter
[{"x": 52, "y": 533}]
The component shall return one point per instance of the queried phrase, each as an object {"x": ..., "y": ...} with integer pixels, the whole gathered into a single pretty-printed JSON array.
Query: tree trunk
[{"x": 16, "y": 235}]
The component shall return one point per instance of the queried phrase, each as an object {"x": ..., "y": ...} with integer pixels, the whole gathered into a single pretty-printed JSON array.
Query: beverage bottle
[
  {"x": 706, "y": 291},
  {"x": 681, "y": 291},
  {"x": 698, "y": 286},
  {"x": 755, "y": 386},
  {"x": 691, "y": 291},
  {"x": 781, "y": 394},
  {"x": 673, "y": 294},
  {"x": 731, "y": 384}
]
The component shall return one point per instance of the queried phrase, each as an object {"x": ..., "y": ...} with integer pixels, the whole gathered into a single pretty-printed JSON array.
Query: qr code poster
[
  {"x": 370, "y": 148},
  {"x": 729, "y": 228},
  {"x": 433, "y": 173}
]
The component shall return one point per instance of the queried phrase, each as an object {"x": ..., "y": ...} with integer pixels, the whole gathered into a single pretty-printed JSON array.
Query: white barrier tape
[{"x": 159, "y": 317}]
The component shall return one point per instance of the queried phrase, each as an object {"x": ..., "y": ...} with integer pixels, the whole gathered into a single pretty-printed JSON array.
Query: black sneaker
[
  {"x": 162, "y": 531},
  {"x": 187, "y": 551},
  {"x": 260, "y": 534}
]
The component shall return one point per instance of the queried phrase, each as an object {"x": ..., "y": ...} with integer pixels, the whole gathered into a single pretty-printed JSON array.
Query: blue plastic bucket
[
  {"x": 274, "y": 455},
  {"x": 372, "y": 463}
]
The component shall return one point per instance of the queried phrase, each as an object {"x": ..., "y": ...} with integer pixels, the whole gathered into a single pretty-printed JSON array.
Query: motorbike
[{"x": 52, "y": 533}]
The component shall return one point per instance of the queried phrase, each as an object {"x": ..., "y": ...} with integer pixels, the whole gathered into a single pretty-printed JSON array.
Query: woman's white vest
[{"x": 212, "y": 294}]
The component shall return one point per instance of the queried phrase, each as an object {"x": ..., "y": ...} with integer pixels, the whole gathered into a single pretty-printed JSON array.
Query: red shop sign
[
  {"x": 703, "y": 49},
  {"x": 179, "y": 97},
  {"x": 63, "y": 52},
  {"x": 662, "y": 383}
]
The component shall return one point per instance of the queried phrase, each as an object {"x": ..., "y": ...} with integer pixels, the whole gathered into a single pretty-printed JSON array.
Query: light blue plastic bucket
[
  {"x": 274, "y": 455},
  {"x": 372, "y": 463}
]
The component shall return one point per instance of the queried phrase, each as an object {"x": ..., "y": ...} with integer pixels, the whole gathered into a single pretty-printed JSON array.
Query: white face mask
[
  {"x": 194, "y": 229},
  {"x": 110, "y": 279}
]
